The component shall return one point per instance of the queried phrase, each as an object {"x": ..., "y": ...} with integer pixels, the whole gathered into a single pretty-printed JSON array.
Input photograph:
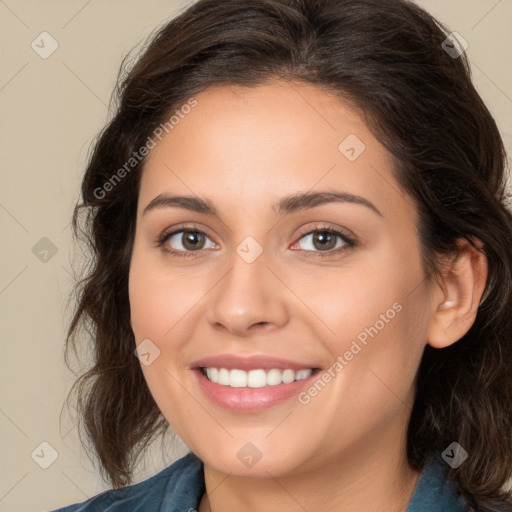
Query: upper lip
[{"x": 230, "y": 361}]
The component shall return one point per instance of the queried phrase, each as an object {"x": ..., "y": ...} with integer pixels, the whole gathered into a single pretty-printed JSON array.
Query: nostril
[{"x": 260, "y": 324}]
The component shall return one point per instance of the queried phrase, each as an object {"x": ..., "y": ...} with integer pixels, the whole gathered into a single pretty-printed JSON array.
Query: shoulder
[
  {"x": 434, "y": 493},
  {"x": 179, "y": 486}
]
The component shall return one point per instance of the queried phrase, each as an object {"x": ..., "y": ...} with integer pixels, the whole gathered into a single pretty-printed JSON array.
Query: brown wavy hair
[{"x": 386, "y": 59}]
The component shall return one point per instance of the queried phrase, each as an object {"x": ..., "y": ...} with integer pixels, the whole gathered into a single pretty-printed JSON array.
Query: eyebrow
[{"x": 286, "y": 205}]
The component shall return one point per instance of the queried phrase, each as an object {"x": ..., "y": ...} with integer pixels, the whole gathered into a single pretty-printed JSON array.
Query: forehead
[{"x": 253, "y": 145}]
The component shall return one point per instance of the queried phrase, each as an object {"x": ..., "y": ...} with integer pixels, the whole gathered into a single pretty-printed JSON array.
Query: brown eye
[
  {"x": 186, "y": 240},
  {"x": 192, "y": 240},
  {"x": 323, "y": 240}
]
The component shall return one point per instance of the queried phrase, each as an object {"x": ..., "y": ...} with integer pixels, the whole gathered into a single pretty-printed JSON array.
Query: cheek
[
  {"x": 377, "y": 317},
  {"x": 350, "y": 300},
  {"x": 159, "y": 299},
  {"x": 159, "y": 303}
]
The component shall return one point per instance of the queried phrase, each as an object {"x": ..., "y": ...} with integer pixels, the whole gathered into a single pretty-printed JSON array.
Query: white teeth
[
  {"x": 214, "y": 374},
  {"x": 288, "y": 376},
  {"x": 299, "y": 375},
  {"x": 238, "y": 379},
  {"x": 255, "y": 378},
  {"x": 274, "y": 377},
  {"x": 223, "y": 377}
]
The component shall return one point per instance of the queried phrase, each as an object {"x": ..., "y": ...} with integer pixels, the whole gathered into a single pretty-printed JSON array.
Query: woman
[{"x": 302, "y": 265}]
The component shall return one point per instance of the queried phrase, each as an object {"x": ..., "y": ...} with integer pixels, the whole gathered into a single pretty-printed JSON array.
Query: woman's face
[{"x": 250, "y": 291}]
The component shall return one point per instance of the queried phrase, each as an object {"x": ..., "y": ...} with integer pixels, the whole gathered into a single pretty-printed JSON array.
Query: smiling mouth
[{"x": 259, "y": 378}]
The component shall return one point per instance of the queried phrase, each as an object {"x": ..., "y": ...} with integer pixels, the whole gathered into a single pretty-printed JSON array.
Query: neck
[{"x": 370, "y": 477}]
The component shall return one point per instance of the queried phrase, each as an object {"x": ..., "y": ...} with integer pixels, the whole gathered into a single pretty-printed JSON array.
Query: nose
[{"x": 248, "y": 299}]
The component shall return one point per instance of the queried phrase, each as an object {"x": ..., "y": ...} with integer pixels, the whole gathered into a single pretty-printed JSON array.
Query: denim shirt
[{"x": 180, "y": 487}]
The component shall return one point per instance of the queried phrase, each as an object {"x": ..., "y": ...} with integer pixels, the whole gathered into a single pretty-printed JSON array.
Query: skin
[{"x": 243, "y": 149}]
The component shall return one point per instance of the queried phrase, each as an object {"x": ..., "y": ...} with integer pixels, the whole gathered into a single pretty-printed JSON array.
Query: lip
[
  {"x": 250, "y": 400},
  {"x": 248, "y": 363}
]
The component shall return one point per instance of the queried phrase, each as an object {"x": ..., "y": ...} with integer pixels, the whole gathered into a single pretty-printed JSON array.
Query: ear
[{"x": 455, "y": 303}]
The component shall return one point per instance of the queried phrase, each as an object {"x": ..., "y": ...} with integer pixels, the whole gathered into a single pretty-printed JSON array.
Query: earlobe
[{"x": 454, "y": 310}]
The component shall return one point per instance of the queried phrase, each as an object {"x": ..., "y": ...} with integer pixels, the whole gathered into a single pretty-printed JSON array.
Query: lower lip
[{"x": 250, "y": 399}]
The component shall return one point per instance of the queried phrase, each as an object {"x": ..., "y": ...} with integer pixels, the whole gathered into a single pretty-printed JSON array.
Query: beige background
[{"x": 51, "y": 109}]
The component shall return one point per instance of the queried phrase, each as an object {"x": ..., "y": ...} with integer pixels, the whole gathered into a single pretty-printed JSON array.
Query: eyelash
[{"x": 349, "y": 241}]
